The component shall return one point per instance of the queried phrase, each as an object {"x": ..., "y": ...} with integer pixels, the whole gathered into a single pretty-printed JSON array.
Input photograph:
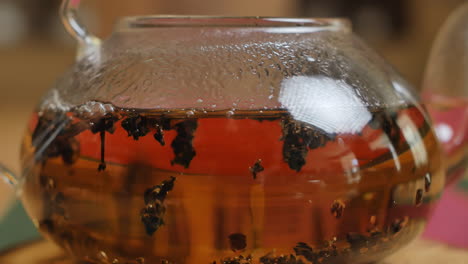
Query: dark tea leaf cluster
[
  {"x": 152, "y": 215},
  {"x": 298, "y": 139}
]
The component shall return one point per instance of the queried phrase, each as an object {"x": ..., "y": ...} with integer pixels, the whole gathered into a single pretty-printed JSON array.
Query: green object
[
  {"x": 463, "y": 185},
  {"x": 16, "y": 227}
]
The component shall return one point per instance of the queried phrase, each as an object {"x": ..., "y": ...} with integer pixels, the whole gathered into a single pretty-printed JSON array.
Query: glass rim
[{"x": 181, "y": 21}]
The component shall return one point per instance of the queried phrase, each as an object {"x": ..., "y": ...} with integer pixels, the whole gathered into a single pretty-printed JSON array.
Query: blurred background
[{"x": 35, "y": 49}]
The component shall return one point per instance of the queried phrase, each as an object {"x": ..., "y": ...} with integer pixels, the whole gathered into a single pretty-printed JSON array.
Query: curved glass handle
[
  {"x": 8, "y": 176},
  {"x": 71, "y": 21}
]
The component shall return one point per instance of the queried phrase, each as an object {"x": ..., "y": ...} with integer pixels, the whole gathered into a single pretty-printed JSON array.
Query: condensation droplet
[
  {"x": 200, "y": 100},
  {"x": 213, "y": 106},
  {"x": 94, "y": 109}
]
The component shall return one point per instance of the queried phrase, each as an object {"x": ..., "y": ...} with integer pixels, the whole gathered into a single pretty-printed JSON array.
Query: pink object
[
  {"x": 449, "y": 223},
  {"x": 75, "y": 3}
]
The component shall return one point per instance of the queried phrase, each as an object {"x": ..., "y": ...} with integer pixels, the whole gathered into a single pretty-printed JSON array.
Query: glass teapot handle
[{"x": 70, "y": 19}]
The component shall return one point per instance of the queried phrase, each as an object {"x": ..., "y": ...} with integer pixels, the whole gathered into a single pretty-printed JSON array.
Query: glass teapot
[
  {"x": 446, "y": 96},
  {"x": 446, "y": 91},
  {"x": 228, "y": 140}
]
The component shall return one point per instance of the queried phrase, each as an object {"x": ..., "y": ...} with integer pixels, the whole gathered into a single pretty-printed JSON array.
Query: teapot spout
[{"x": 88, "y": 43}]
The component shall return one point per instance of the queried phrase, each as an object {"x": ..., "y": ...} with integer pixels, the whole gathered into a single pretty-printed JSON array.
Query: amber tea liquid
[{"x": 135, "y": 186}]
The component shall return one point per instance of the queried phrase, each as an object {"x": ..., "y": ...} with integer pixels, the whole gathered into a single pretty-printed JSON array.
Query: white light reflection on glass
[
  {"x": 326, "y": 103},
  {"x": 383, "y": 142},
  {"x": 413, "y": 138},
  {"x": 289, "y": 30},
  {"x": 444, "y": 132},
  {"x": 405, "y": 93},
  {"x": 351, "y": 168}
]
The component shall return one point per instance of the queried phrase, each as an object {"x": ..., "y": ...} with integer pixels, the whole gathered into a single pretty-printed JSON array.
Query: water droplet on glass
[
  {"x": 213, "y": 106},
  {"x": 200, "y": 100},
  {"x": 230, "y": 113},
  {"x": 190, "y": 113},
  {"x": 270, "y": 97}
]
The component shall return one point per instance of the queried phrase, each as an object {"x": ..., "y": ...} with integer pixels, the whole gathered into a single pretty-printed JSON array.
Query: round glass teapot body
[{"x": 230, "y": 140}]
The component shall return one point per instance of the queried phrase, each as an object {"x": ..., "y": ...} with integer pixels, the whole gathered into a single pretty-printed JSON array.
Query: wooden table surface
[{"x": 429, "y": 252}]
